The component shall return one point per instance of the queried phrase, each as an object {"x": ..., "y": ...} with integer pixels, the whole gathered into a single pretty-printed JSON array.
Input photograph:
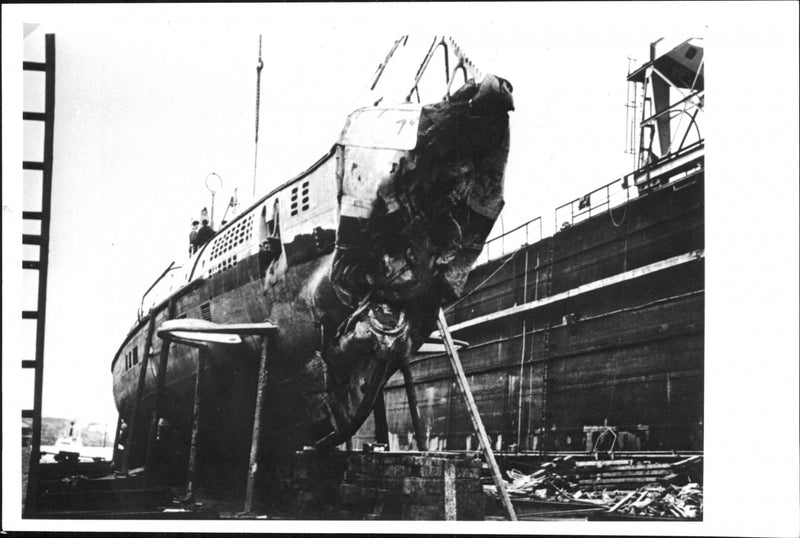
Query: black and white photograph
[{"x": 326, "y": 267}]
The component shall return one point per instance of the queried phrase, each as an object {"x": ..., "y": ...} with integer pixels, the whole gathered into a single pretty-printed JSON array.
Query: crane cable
[{"x": 259, "y": 66}]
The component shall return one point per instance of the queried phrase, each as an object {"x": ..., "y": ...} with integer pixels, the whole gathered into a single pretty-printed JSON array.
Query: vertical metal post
[
  {"x": 198, "y": 397},
  {"x": 545, "y": 376},
  {"x": 379, "y": 414},
  {"x": 161, "y": 374},
  {"x": 257, "y": 418},
  {"x": 522, "y": 354},
  {"x": 521, "y": 379},
  {"x": 411, "y": 394},
  {"x": 474, "y": 415},
  {"x": 134, "y": 419}
]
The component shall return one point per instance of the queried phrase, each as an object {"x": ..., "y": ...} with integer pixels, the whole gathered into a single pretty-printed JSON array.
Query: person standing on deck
[
  {"x": 193, "y": 238},
  {"x": 204, "y": 234}
]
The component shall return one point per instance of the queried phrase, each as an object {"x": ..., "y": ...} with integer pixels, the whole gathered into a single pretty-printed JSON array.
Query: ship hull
[{"x": 348, "y": 262}]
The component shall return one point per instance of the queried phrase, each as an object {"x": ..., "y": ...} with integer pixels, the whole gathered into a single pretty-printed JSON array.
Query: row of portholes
[
  {"x": 303, "y": 203},
  {"x": 132, "y": 358},
  {"x": 228, "y": 263},
  {"x": 240, "y": 233}
]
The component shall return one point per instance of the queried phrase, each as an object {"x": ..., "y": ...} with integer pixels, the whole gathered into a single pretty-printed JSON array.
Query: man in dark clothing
[
  {"x": 204, "y": 234},
  {"x": 193, "y": 238}
]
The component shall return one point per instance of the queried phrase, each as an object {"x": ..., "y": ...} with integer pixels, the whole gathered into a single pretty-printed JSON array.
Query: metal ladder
[{"x": 42, "y": 240}]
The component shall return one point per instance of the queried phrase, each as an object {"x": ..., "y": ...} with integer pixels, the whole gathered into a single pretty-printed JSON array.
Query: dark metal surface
[
  {"x": 615, "y": 352},
  {"x": 161, "y": 374},
  {"x": 411, "y": 394},
  {"x": 135, "y": 414}
]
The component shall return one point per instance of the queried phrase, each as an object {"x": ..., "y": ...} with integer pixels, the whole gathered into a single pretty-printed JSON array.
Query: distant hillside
[{"x": 91, "y": 434}]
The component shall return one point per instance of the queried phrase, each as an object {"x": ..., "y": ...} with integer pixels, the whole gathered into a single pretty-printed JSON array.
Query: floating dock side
[{"x": 598, "y": 326}]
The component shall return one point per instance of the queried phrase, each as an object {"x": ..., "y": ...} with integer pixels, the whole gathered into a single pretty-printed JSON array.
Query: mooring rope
[{"x": 479, "y": 286}]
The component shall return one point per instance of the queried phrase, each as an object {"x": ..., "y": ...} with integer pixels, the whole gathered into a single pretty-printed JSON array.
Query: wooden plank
[
  {"x": 475, "y": 415},
  {"x": 263, "y": 372},
  {"x": 633, "y": 481},
  {"x": 195, "y": 442},
  {"x": 622, "y": 501}
]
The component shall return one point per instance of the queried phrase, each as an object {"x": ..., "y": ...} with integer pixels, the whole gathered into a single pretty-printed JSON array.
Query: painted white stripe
[
  {"x": 355, "y": 207},
  {"x": 585, "y": 288}
]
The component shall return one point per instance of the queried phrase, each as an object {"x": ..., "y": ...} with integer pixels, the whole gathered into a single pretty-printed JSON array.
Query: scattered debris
[{"x": 623, "y": 487}]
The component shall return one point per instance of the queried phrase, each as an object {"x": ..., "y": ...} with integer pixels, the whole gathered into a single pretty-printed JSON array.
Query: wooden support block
[
  {"x": 468, "y": 472},
  {"x": 471, "y": 507},
  {"x": 416, "y": 487},
  {"x": 421, "y": 513},
  {"x": 450, "y": 496},
  {"x": 350, "y": 494},
  {"x": 395, "y": 471},
  {"x": 430, "y": 471}
]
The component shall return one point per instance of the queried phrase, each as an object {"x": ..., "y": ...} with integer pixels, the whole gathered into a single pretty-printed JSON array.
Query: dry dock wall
[{"x": 600, "y": 324}]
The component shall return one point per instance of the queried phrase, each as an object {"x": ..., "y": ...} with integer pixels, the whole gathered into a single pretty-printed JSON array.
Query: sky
[
  {"x": 152, "y": 99},
  {"x": 145, "y": 111}
]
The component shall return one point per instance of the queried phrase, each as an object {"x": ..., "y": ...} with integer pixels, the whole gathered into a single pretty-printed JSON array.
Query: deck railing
[
  {"x": 595, "y": 202},
  {"x": 524, "y": 234},
  {"x": 602, "y": 199}
]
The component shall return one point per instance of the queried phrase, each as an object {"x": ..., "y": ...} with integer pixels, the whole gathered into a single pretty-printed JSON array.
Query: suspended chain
[
  {"x": 259, "y": 66},
  {"x": 463, "y": 60}
]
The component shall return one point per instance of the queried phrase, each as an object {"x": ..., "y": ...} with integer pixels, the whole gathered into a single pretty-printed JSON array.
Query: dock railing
[
  {"x": 605, "y": 198},
  {"x": 595, "y": 202},
  {"x": 524, "y": 234}
]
